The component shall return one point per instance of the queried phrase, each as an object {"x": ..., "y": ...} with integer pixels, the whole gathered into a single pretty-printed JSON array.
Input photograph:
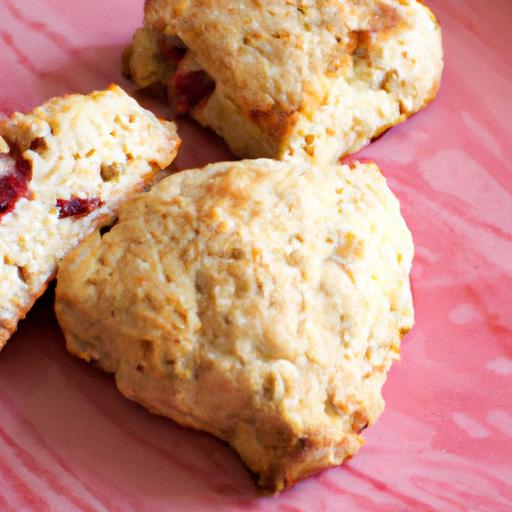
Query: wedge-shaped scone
[
  {"x": 309, "y": 80},
  {"x": 261, "y": 301},
  {"x": 64, "y": 170}
]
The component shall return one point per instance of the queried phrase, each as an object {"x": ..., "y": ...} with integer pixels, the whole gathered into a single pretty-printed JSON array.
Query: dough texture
[
  {"x": 64, "y": 170},
  {"x": 301, "y": 79}
]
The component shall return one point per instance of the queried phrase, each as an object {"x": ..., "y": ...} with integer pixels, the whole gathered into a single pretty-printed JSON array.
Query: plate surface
[{"x": 69, "y": 441}]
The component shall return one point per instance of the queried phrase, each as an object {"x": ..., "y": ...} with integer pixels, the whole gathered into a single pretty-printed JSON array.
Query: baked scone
[
  {"x": 64, "y": 169},
  {"x": 301, "y": 79},
  {"x": 261, "y": 301}
]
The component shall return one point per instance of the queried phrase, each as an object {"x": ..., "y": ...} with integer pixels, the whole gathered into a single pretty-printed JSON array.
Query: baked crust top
[
  {"x": 274, "y": 59},
  {"x": 261, "y": 301}
]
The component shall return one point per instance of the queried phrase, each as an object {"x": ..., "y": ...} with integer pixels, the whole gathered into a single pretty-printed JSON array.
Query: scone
[
  {"x": 306, "y": 80},
  {"x": 261, "y": 301},
  {"x": 64, "y": 170}
]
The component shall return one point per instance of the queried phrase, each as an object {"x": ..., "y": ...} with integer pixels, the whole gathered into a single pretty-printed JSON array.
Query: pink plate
[{"x": 69, "y": 441}]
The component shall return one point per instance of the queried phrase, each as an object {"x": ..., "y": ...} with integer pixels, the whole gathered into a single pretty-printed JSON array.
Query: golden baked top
[
  {"x": 262, "y": 301},
  {"x": 275, "y": 59}
]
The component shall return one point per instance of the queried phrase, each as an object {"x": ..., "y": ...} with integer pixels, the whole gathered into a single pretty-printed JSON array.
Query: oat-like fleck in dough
[{"x": 261, "y": 301}]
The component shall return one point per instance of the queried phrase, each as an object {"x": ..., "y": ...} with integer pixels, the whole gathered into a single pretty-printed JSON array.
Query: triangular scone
[
  {"x": 64, "y": 170},
  {"x": 261, "y": 301},
  {"x": 309, "y": 80}
]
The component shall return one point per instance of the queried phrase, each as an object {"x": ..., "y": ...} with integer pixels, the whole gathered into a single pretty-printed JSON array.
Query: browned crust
[
  {"x": 278, "y": 121},
  {"x": 177, "y": 9},
  {"x": 283, "y": 474},
  {"x": 275, "y": 123},
  {"x": 385, "y": 18}
]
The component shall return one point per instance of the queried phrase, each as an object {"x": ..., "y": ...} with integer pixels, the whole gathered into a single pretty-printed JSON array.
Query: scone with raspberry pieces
[
  {"x": 260, "y": 301},
  {"x": 64, "y": 170},
  {"x": 290, "y": 80}
]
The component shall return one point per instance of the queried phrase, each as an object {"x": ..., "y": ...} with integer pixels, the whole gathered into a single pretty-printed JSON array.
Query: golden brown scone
[
  {"x": 261, "y": 301},
  {"x": 308, "y": 80},
  {"x": 64, "y": 170}
]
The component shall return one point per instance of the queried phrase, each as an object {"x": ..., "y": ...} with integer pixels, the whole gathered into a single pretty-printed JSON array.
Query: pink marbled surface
[{"x": 69, "y": 441}]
